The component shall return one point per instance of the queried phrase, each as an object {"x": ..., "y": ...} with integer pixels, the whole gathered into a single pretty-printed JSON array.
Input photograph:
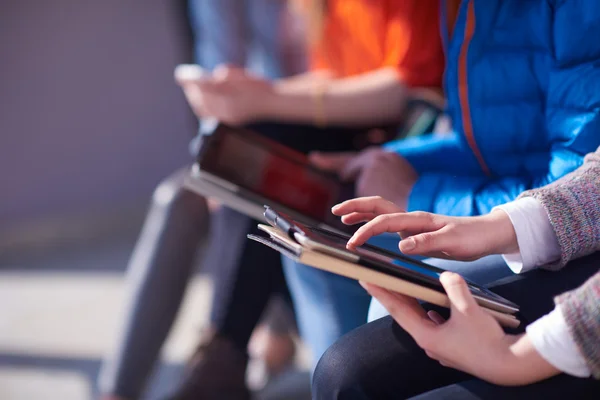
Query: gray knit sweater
[{"x": 573, "y": 207}]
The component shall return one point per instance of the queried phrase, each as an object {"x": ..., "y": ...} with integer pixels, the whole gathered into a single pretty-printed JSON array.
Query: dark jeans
[
  {"x": 245, "y": 275},
  {"x": 381, "y": 361}
]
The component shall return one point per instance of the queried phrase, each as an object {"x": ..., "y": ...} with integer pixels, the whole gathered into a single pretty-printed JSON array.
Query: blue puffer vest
[{"x": 523, "y": 88}]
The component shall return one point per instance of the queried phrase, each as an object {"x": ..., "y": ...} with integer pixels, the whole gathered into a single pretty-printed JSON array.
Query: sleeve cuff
[
  {"x": 537, "y": 241},
  {"x": 551, "y": 338}
]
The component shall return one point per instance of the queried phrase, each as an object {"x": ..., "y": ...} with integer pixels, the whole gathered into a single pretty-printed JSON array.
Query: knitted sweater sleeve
[
  {"x": 573, "y": 207},
  {"x": 581, "y": 309}
]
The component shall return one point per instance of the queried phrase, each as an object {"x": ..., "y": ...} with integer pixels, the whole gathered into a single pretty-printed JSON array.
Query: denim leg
[
  {"x": 483, "y": 271},
  {"x": 239, "y": 32},
  {"x": 328, "y": 305},
  {"x": 266, "y": 50},
  {"x": 220, "y": 32}
]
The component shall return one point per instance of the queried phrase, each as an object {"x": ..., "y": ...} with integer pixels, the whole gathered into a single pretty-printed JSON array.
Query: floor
[{"x": 60, "y": 309}]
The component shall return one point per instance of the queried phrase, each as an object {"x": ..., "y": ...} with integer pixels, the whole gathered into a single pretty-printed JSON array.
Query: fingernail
[
  {"x": 409, "y": 244},
  {"x": 335, "y": 207}
]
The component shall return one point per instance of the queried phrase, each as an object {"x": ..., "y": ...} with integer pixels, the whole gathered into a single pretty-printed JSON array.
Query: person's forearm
[
  {"x": 304, "y": 81},
  {"x": 371, "y": 98},
  {"x": 523, "y": 365}
]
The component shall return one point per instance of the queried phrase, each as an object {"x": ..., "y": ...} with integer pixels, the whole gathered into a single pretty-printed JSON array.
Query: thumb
[
  {"x": 440, "y": 241},
  {"x": 334, "y": 162},
  {"x": 458, "y": 292}
]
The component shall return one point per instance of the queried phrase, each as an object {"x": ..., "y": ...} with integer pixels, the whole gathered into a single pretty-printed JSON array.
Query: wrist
[
  {"x": 503, "y": 233},
  {"x": 266, "y": 106},
  {"x": 524, "y": 365}
]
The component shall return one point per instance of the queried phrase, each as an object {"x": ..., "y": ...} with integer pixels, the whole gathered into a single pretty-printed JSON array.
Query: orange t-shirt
[{"x": 364, "y": 35}]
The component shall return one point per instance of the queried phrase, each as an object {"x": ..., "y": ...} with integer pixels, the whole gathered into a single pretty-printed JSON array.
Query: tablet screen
[
  {"x": 276, "y": 172},
  {"x": 386, "y": 260}
]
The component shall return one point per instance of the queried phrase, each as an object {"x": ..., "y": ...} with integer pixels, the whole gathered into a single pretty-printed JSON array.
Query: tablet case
[{"x": 288, "y": 247}]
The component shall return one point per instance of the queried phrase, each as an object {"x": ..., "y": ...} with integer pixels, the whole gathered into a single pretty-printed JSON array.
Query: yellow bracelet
[{"x": 319, "y": 100}]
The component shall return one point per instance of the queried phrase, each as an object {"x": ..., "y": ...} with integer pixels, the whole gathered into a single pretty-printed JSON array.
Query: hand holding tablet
[{"x": 327, "y": 250}]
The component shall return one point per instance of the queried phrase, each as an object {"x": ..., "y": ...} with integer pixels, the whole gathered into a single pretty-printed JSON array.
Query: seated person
[
  {"x": 467, "y": 355},
  {"x": 362, "y": 68},
  {"x": 523, "y": 96}
]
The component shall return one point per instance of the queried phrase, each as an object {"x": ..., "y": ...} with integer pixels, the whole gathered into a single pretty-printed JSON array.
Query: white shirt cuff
[
  {"x": 551, "y": 338},
  {"x": 537, "y": 241}
]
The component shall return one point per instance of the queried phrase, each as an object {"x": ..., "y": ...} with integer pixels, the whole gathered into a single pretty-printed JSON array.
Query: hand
[
  {"x": 470, "y": 340},
  {"x": 231, "y": 95},
  {"x": 432, "y": 235},
  {"x": 377, "y": 173}
]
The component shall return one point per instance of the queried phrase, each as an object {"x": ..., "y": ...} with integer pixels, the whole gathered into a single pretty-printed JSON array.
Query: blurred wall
[{"x": 90, "y": 118}]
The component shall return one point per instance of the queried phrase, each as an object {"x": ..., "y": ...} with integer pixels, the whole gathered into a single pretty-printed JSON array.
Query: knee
[
  {"x": 171, "y": 194},
  {"x": 338, "y": 374}
]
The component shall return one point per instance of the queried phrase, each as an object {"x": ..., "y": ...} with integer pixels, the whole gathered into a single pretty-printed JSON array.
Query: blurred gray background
[{"x": 90, "y": 118}]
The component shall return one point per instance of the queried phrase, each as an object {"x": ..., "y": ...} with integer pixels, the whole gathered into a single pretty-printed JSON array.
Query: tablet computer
[
  {"x": 327, "y": 250},
  {"x": 247, "y": 170}
]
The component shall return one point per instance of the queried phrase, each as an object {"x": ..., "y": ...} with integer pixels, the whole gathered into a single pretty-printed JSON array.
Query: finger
[
  {"x": 356, "y": 218},
  {"x": 194, "y": 98},
  {"x": 395, "y": 223},
  {"x": 334, "y": 162},
  {"x": 435, "y": 238},
  {"x": 458, "y": 292},
  {"x": 372, "y": 205},
  {"x": 406, "y": 311},
  {"x": 436, "y": 317}
]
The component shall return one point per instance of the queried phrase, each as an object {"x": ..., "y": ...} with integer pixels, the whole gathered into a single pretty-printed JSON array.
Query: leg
[
  {"x": 328, "y": 305},
  {"x": 378, "y": 361},
  {"x": 161, "y": 263},
  {"x": 273, "y": 342},
  {"x": 265, "y": 20},
  {"x": 220, "y": 32},
  {"x": 559, "y": 387},
  {"x": 534, "y": 291},
  {"x": 245, "y": 276}
]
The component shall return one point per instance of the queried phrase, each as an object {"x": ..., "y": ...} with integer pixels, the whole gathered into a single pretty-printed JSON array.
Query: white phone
[{"x": 190, "y": 72}]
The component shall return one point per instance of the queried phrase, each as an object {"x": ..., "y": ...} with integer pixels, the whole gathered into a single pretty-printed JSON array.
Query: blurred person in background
[
  {"x": 518, "y": 122},
  {"x": 368, "y": 59},
  {"x": 244, "y": 33}
]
